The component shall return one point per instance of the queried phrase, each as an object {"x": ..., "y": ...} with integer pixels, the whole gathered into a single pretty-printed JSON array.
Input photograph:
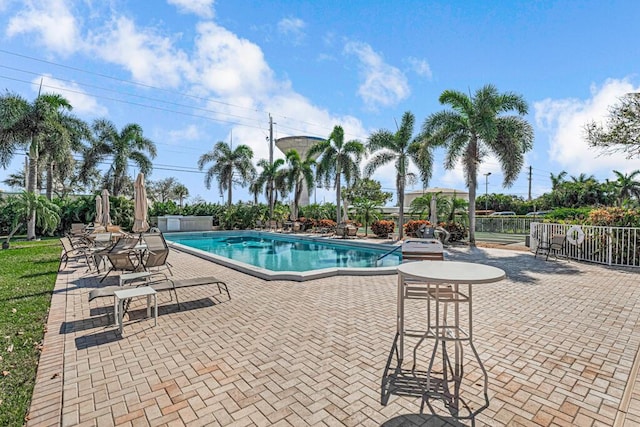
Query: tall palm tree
[
  {"x": 123, "y": 146},
  {"x": 583, "y": 178},
  {"x": 180, "y": 191},
  {"x": 475, "y": 127},
  {"x": 627, "y": 185},
  {"x": 400, "y": 148},
  {"x": 299, "y": 173},
  {"x": 266, "y": 179},
  {"x": 556, "y": 180},
  {"x": 25, "y": 125},
  {"x": 337, "y": 159},
  {"x": 226, "y": 162}
]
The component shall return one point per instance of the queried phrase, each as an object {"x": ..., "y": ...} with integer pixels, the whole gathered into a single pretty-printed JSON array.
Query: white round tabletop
[{"x": 451, "y": 272}]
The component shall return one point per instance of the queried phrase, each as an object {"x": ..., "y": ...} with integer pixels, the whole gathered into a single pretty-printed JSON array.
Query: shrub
[
  {"x": 383, "y": 228},
  {"x": 326, "y": 223},
  {"x": 614, "y": 217},
  {"x": 456, "y": 231},
  {"x": 412, "y": 226}
]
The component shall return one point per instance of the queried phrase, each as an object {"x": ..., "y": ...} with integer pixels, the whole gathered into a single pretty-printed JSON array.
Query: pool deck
[{"x": 559, "y": 341}]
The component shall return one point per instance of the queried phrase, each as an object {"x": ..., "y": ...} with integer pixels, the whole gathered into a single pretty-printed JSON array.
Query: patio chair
[
  {"x": 425, "y": 232},
  {"x": 73, "y": 251},
  {"x": 258, "y": 225},
  {"x": 122, "y": 256},
  {"x": 556, "y": 246},
  {"x": 157, "y": 252}
]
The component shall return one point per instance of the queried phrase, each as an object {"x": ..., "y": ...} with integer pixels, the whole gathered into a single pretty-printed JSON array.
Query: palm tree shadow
[{"x": 520, "y": 267}]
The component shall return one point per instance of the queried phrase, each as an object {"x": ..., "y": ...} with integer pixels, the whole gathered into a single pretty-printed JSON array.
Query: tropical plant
[
  {"x": 266, "y": 179},
  {"x": 455, "y": 206},
  {"x": 382, "y": 227},
  {"x": 47, "y": 216},
  {"x": 227, "y": 162},
  {"x": 366, "y": 211},
  {"x": 421, "y": 205},
  {"x": 476, "y": 127},
  {"x": 121, "y": 147},
  {"x": 180, "y": 191},
  {"x": 556, "y": 180},
  {"x": 400, "y": 148},
  {"x": 366, "y": 188},
  {"x": 26, "y": 125},
  {"x": 299, "y": 174},
  {"x": 337, "y": 159},
  {"x": 627, "y": 185}
]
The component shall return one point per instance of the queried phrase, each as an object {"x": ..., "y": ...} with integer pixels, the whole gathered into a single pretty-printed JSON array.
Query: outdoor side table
[
  {"x": 446, "y": 281},
  {"x": 121, "y": 295}
]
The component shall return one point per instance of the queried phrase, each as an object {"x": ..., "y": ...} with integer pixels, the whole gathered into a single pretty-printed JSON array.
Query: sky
[{"x": 195, "y": 72}]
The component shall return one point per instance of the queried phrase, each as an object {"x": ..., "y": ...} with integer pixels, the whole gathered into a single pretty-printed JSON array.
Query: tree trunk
[
  {"x": 32, "y": 187},
  {"x": 229, "y": 192},
  {"x": 473, "y": 181},
  {"x": 400, "y": 207},
  {"x": 50, "y": 181},
  {"x": 338, "y": 198}
]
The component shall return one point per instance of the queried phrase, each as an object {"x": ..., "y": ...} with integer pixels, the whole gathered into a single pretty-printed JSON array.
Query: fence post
[{"x": 609, "y": 246}]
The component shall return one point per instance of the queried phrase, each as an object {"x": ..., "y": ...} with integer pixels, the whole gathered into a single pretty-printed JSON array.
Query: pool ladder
[{"x": 388, "y": 253}]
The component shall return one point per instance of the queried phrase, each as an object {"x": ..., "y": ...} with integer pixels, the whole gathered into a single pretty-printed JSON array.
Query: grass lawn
[{"x": 27, "y": 278}]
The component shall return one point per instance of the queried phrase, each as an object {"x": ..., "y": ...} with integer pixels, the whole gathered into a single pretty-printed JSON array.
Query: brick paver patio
[{"x": 558, "y": 339}]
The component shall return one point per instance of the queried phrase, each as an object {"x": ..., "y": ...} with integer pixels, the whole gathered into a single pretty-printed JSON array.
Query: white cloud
[
  {"x": 202, "y": 8},
  {"x": 83, "y": 104},
  {"x": 292, "y": 28},
  {"x": 383, "y": 85},
  {"x": 52, "y": 22},
  {"x": 420, "y": 67},
  {"x": 180, "y": 136},
  {"x": 564, "y": 120},
  {"x": 148, "y": 56}
]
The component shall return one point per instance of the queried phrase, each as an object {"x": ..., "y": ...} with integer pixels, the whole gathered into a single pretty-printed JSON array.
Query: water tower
[{"x": 301, "y": 144}]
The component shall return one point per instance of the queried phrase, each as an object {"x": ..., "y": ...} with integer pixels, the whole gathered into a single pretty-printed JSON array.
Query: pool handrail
[{"x": 388, "y": 253}]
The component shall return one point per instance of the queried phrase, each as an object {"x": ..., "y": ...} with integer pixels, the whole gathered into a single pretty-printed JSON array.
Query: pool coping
[{"x": 297, "y": 276}]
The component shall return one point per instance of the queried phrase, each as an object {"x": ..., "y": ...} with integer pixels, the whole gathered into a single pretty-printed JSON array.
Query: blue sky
[{"x": 194, "y": 72}]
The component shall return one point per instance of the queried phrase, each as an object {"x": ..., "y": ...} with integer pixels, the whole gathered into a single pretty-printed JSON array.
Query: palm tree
[
  {"x": 474, "y": 128},
  {"x": 58, "y": 147},
  {"x": 181, "y": 192},
  {"x": 366, "y": 211},
  {"x": 266, "y": 179},
  {"x": 127, "y": 145},
  {"x": 627, "y": 186},
  {"x": 226, "y": 162},
  {"x": 337, "y": 159},
  {"x": 48, "y": 216},
  {"x": 299, "y": 173},
  {"x": 400, "y": 148},
  {"x": 556, "y": 180},
  {"x": 583, "y": 178},
  {"x": 25, "y": 125}
]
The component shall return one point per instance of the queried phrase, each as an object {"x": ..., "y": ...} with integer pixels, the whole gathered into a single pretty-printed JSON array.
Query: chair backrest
[
  {"x": 66, "y": 244},
  {"x": 557, "y": 241},
  {"x": 426, "y": 232},
  {"x": 422, "y": 250},
  {"x": 157, "y": 249},
  {"x": 120, "y": 255}
]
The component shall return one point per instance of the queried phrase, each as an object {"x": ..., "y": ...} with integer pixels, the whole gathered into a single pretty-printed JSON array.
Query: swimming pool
[{"x": 274, "y": 256}]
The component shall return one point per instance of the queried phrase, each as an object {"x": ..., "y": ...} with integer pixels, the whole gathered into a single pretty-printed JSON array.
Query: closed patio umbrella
[
  {"x": 106, "y": 217},
  {"x": 98, "y": 219},
  {"x": 140, "y": 223},
  {"x": 433, "y": 214}
]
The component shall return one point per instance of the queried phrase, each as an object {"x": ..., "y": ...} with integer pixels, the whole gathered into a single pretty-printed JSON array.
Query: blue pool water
[{"x": 278, "y": 252}]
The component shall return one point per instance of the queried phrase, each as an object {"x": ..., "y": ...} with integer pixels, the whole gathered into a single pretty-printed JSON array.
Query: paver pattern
[{"x": 558, "y": 339}]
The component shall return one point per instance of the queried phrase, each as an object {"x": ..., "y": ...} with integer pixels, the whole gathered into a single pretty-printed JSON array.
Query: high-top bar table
[{"x": 443, "y": 283}]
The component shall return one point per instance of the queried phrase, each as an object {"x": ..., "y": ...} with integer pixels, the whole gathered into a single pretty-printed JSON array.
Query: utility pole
[
  {"x": 271, "y": 165},
  {"x": 530, "y": 170}
]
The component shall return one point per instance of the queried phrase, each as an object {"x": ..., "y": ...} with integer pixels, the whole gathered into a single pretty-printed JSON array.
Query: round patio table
[{"x": 442, "y": 283}]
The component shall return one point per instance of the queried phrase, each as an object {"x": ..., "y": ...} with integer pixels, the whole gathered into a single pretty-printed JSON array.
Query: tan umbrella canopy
[
  {"x": 98, "y": 219},
  {"x": 140, "y": 223},
  {"x": 106, "y": 217}
]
